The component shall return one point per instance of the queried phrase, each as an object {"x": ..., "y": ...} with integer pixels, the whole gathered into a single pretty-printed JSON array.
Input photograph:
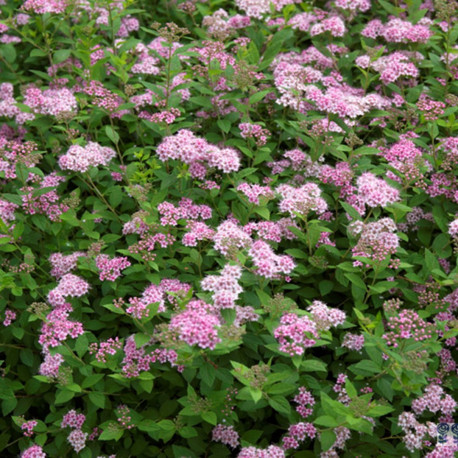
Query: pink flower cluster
[
  {"x": 254, "y": 191},
  {"x": 57, "y": 327},
  {"x": 267, "y": 263},
  {"x": 186, "y": 210},
  {"x": 73, "y": 419},
  {"x": 374, "y": 192},
  {"x": 334, "y": 25},
  {"x": 50, "y": 366},
  {"x": 77, "y": 440},
  {"x": 397, "y": 31},
  {"x": 304, "y": 399},
  {"x": 296, "y": 333},
  {"x": 28, "y": 426},
  {"x": 434, "y": 400},
  {"x": 377, "y": 240},
  {"x": 226, "y": 435},
  {"x": 80, "y": 159},
  {"x": 197, "y": 325},
  {"x": 354, "y": 5},
  {"x": 63, "y": 264},
  {"x": 229, "y": 237},
  {"x": 272, "y": 451},
  {"x": 254, "y": 131},
  {"x": 298, "y": 433},
  {"x": 225, "y": 287},
  {"x": 301, "y": 200},
  {"x": 197, "y": 231},
  {"x": 407, "y": 325},
  {"x": 124, "y": 417},
  {"x": 35, "y": 451},
  {"x": 353, "y": 341},
  {"x": 110, "y": 268},
  {"x": 69, "y": 286},
  {"x": 453, "y": 228},
  {"x": 45, "y": 6},
  {"x": 50, "y": 101},
  {"x": 10, "y": 316},
  {"x": 325, "y": 317},
  {"x": 108, "y": 347},
  {"x": 198, "y": 153},
  {"x": 136, "y": 360},
  {"x": 274, "y": 231}
]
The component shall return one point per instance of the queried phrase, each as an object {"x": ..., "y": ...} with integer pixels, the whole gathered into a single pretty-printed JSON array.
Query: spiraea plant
[{"x": 228, "y": 228}]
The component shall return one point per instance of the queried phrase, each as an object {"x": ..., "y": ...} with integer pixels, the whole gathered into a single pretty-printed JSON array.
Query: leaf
[
  {"x": 112, "y": 432},
  {"x": 112, "y": 134},
  {"x": 255, "y": 98},
  {"x": 98, "y": 399},
  {"x": 314, "y": 365},
  {"x": 61, "y": 55},
  {"x": 365, "y": 367},
  {"x": 327, "y": 420},
  {"x": 327, "y": 439},
  {"x": 210, "y": 417},
  {"x": 280, "y": 404},
  {"x": 378, "y": 411}
]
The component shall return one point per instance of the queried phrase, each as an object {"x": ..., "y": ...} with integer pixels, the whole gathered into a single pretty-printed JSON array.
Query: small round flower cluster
[
  {"x": 69, "y": 285},
  {"x": 186, "y": 210},
  {"x": 7, "y": 211},
  {"x": 50, "y": 366},
  {"x": 35, "y": 451},
  {"x": 354, "y": 5},
  {"x": 73, "y": 419},
  {"x": 123, "y": 416},
  {"x": 334, "y": 25},
  {"x": 407, "y": 325},
  {"x": 304, "y": 398},
  {"x": 50, "y": 101},
  {"x": 16, "y": 152},
  {"x": 77, "y": 440},
  {"x": 57, "y": 327},
  {"x": 267, "y": 263},
  {"x": 254, "y": 131},
  {"x": 197, "y": 231},
  {"x": 79, "y": 159},
  {"x": 324, "y": 316},
  {"x": 295, "y": 333},
  {"x": 101, "y": 350},
  {"x": 197, "y": 325},
  {"x": 301, "y": 200},
  {"x": 377, "y": 240},
  {"x": 342, "y": 435},
  {"x": 273, "y": 231},
  {"x": 434, "y": 400},
  {"x": 254, "y": 8},
  {"x": 453, "y": 228},
  {"x": 110, "y": 269},
  {"x": 10, "y": 316},
  {"x": 374, "y": 192},
  {"x": 432, "y": 109},
  {"x": 136, "y": 360},
  {"x": 253, "y": 191},
  {"x": 221, "y": 26},
  {"x": 415, "y": 431},
  {"x": 226, "y": 435},
  {"x": 391, "y": 67},
  {"x": 298, "y": 433},
  {"x": 198, "y": 153},
  {"x": 272, "y": 451},
  {"x": 28, "y": 426},
  {"x": 225, "y": 287},
  {"x": 230, "y": 237},
  {"x": 104, "y": 98},
  {"x": 353, "y": 341},
  {"x": 63, "y": 264},
  {"x": 45, "y": 203},
  {"x": 397, "y": 31}
]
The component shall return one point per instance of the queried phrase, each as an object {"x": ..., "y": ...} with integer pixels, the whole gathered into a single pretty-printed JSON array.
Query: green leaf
[
  {"x": 365, "y": 367},
  {"x": 112, "y": 134},
  {"x": 327, "y": 439},
  {"x": 378, "y": 411},
  {"x": 61, "y": 55},
  {"x": 280, "y": 404},
  {"x": 98, "y": 399},
  {"x": 328, "y": 421},
  {"x": 210, "y": 417}
]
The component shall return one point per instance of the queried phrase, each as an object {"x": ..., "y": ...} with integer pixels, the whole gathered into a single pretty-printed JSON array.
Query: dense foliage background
[{"x": 228, "y": 228}]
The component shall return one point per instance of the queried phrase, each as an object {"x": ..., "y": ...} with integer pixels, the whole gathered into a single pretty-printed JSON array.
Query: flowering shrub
[{"x": 228, "y": 232}]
